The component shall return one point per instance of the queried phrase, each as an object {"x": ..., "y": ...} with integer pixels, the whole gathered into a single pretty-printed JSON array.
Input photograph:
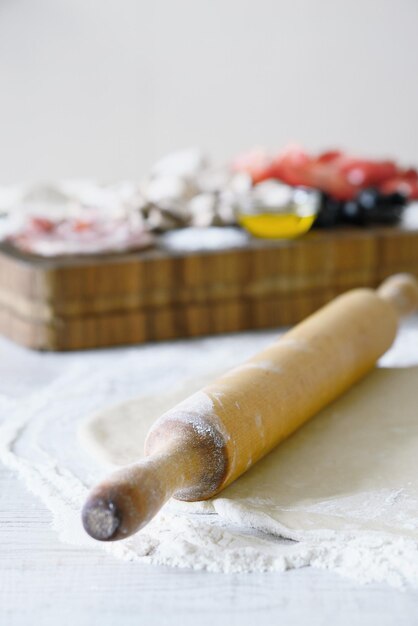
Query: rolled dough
[{"x": 352, "y": 469}]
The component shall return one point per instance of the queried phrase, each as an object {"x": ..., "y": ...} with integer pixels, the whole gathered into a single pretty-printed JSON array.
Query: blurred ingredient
[
  {"x": 276, "y": 211},
  {"x": 269, "y": 195},
  {"x": 194, "y": 239},
  {"x": 85, "y": 217},
  {"x": 276, "y": 226},
  {"x": 89, "y": 235},
  {"x": 333, "y": 172},
  {"x": 370, "y": 206},
  {"x": 183, "y": 189}
]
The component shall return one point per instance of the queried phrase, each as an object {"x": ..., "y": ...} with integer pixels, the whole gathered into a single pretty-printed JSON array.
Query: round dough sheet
[{"x": 352, "y": 468}]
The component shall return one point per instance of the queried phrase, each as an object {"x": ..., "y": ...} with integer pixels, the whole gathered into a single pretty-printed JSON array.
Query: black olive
[
  {"x": 370, "y": 206},
  {"x": 329, "y": 213}
]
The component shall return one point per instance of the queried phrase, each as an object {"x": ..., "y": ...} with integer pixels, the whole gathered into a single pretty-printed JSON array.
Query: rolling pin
[{"x": 203, "y": 444}]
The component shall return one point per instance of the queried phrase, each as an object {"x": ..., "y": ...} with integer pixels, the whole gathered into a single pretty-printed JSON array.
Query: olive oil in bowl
[
  {"x": 276, "y": 211},
  {"x": 277, "y": 225}
]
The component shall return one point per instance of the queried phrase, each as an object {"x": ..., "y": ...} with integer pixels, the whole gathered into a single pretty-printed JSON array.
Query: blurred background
[
  {"x": 102, "y": 88},
  {"x": 181, "y": 132}
]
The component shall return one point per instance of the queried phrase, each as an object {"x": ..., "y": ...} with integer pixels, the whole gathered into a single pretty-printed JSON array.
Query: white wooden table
[{"x": 46, "y": 583}]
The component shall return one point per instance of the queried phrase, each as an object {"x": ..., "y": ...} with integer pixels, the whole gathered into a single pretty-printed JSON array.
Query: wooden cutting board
[{"x": 88, "y": 302}]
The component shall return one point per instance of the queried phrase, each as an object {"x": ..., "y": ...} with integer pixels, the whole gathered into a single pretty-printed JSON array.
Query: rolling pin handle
[
  {"x": 401, "y": 291},
  {"x": 131, "y": 497}
]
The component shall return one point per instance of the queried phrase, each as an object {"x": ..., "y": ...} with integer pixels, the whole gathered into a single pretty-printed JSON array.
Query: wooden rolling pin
[{"x": 204, "y": 443}]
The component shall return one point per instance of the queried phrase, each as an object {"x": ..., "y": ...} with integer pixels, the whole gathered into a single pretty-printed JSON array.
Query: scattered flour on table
[{"x": 351, "y": 507}]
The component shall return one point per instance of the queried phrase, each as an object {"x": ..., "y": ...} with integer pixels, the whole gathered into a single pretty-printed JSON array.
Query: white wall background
[{"x": 103, "y": 87}]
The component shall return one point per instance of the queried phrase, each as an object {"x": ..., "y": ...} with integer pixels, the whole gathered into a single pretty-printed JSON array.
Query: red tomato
[
  {"x": 291, "y": 166},
  {"x": 332, "y": 172},
  {"x": 362, "y": 173},
  {"x": 327, "y": 177},
  {"x": 329, "y": 156},
  {"x": 411, "y": 174}
]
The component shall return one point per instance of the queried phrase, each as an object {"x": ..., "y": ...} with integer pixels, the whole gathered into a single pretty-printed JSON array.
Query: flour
[{"x": 38, "y": 439}]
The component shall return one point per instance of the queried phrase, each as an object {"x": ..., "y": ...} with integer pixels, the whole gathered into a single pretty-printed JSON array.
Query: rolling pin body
[{"x": 203, "y": 444}]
